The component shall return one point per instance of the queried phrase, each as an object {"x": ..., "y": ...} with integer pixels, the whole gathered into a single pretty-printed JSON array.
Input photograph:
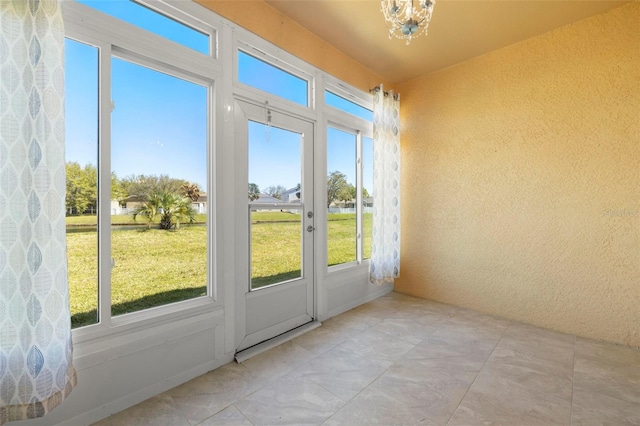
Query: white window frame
[
  {"x": 361, "y": 128},
  {"x": 115, "y": 38}
]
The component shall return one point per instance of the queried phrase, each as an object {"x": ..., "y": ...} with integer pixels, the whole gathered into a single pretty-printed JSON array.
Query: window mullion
[
  {"x": 104, "y": 186},
  {"x": 359, "y": 216}
]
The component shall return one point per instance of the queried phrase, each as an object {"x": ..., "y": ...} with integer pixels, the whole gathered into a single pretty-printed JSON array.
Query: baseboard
[
  {"x": 137, "y": 397},
  {"x": 367, "y": 298}
]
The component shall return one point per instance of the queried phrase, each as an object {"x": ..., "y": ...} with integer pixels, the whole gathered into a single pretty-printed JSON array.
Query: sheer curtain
[
  {"x": 36, "y": 371},
  {"x": 385, "y": 254}
]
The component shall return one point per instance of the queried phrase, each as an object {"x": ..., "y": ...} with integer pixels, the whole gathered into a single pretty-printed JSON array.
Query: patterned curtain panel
[
  {"x": 36, "y": 371},
  {"x": 385, "y": 253}
]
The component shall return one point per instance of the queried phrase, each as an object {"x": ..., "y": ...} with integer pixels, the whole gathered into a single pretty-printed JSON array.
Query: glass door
[{"x": 277, "y": 295}]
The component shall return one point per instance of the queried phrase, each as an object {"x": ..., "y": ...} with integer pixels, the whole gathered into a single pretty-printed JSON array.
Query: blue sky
[{"x": 159, "y": 121}]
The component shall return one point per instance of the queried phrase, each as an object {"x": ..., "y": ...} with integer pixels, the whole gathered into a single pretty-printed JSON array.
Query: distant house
[
  {"x": 129, "y": 204},
  {"x": 291, "y": 195},
  {"x": 266, "y": 199},
  {"x": 201, "y": 204}
]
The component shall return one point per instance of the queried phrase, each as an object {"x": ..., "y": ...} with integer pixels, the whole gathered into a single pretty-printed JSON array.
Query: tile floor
[{"x": 402, "y": 361}]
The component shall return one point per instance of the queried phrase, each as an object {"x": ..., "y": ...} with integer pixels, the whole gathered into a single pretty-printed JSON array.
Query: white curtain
[
  {"x": 36, "y": 371},
  {"x": 385, "y": 253}
]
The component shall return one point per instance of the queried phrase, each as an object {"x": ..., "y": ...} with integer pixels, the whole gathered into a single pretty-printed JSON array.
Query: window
[
  {"x": 275, "y": 168},
  {"x": 81, "y": 150},
  {"x": 345, "y": 105},
  {"x": 261, "y": 75},
  {"x": 150, "y": 20},
  {"x": 137, "y": 142},
  {"x": 342, "y": 227},
  {"x": 349, "y": 182},
  {"x": 158, "y": 165}
]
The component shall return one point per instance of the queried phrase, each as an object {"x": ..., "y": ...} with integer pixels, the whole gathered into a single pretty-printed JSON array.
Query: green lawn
[{"x": 155, "y": 267}]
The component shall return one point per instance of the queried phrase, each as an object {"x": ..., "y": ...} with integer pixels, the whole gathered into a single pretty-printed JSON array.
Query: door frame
[{"x": 242, "y": 283}]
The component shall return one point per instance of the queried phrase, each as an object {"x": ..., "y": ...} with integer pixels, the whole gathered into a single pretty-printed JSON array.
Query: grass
[
  {"x": 92, "y": 220},
  {"x": 155, "y": 267}
]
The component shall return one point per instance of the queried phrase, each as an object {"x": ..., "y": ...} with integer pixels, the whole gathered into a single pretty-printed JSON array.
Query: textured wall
[
  {"x": 521, "y": 180},
  {"x": 267, "y": 22}
]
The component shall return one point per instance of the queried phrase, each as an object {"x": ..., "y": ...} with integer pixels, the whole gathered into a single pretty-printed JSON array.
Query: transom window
[
  {"x": 257, "y": 73},
  {"x": 346, "y": 105},
  {"x": 153, "y": 21}
]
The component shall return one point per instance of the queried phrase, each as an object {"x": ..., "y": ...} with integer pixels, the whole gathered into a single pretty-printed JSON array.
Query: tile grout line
[
  {"x": 369, "y": 385},
  {"x": 479, "y": 371}
]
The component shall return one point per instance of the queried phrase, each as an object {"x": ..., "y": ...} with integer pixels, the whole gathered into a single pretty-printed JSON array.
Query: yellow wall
[
  {"x": 268, "y": 23},
  {"x": 521, "y": 180}
]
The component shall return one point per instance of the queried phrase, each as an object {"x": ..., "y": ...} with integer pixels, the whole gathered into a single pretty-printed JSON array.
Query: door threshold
[{"x": 254, "y": 350}]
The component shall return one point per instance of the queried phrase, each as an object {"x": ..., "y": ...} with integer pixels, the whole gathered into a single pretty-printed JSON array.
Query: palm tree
[
  {"x": 191, "y": 190},
  {"x": 168, "y": 207}
]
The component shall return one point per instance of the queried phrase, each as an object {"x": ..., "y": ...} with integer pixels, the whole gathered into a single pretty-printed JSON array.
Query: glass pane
[
  {"x": 81, "y": 151},
  {"x": 153, "y": 21},
  {"x": 343, "y": 104},
  {"x": 342, "y": 229},
  {"x": 159, "y": 214},
  {"x": 261, "y": 75},
  {"x": 367, "y": 196},
  {"x": 275, "y": 166},
  {"x": 271, "y": 229}
]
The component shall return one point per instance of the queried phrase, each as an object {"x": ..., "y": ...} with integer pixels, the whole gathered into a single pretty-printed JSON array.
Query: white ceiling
[{"x": 459, "y": 30}]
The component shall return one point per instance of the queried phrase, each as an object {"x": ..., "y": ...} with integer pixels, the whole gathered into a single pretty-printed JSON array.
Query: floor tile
[
  {"x": 160, "y": 410},
  {"x": 230, "y": 416},
  {"x": 400, "y": 360},
  {"x": 341, "y": 372},
  {"x": 321, "y": 339},
  {"x": 289, "y": 401},
  {"x": 208, "y": 394},
  {"x": 607, "y": 377},
  {"x": 278, "y": 361},
  {"x": 377, "y": 345},
  {"x": 594, "y": 408},
  {"x": 495, "y": 400},
  {"x": 617, "y": 354},
  {"x": 524, "y": 366},
  {"x": 373, "y": 406}
]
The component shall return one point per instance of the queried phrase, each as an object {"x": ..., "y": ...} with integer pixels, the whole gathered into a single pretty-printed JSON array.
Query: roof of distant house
[{"x": 267, "y": 199}]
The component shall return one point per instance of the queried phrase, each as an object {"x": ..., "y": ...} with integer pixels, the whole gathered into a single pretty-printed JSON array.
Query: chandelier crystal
[{"x": 407, "y": 19}]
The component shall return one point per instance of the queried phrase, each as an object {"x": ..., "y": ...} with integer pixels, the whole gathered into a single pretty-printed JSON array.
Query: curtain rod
[{"x": 396, "y": 96}]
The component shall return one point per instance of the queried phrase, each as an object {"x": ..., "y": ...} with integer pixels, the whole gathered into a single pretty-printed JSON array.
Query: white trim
[{"x": 129, "y": 400}]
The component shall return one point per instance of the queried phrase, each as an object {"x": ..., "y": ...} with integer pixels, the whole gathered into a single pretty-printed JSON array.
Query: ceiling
[{"x": 459, "y": 30}]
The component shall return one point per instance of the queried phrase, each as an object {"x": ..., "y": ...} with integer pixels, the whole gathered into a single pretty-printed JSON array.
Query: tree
[
  {"x": 144, "y": 185},
  {"x": 336, "y": 185},
  {"x": 348, "y": 193},
  {"x": 254, "y": 192},
  {"x": 191, "y": 191},
  {"x": 81, "y": 188},
  {"x": 365, "y": 193},
  {"x": 169, "y": 208},
  {"x": 117, "y": 190},
  {"x": 275, "y": 191}
]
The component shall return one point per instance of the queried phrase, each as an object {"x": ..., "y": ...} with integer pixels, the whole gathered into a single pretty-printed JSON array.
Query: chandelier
[{"x": 407, "y": 19}]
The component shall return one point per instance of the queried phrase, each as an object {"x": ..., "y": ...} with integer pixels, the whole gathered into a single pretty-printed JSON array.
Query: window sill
[{"x": 149, "y": 318}]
